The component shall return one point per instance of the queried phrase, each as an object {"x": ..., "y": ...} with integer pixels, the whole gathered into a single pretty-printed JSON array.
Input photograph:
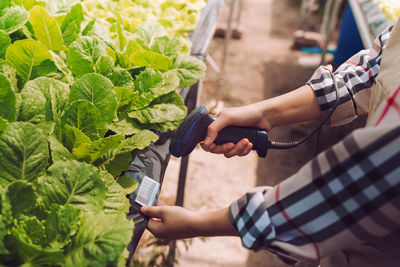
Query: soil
[{"x": 260, "y": 65}]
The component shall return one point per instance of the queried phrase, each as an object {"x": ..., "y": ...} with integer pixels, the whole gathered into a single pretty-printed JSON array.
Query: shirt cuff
[
  {"x": 322, "y": 83},
  {"x": 250, "y": 218}
]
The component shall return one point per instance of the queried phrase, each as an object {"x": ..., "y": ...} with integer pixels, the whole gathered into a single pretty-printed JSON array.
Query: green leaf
[
  {"x": 5, "y": 42},
  {"x": 189, "y": 69},
  {"x": 88, "y": 28},
  {"x": 167, "y": 46},
  {"x": 3, "y": 233},
  {"x": 90, "y": 152},
  {"x": 151, "y": 84},
  {"x": 73, "y": 137},
  {"x": 13, "y": 19},
  {"x": 24, "y": 152},
  {"x": 62, "y": 66},
  {"x": 22, "y": 197},
  {"x": 83, "y": 54},
  {"x": 61, "y": 224},
  {"x": 44, "y": 99},
  {"x": 158, "y": 113},
  {"x": 162, "y": 127},
  {"x": 47, "y": 127},
  {"x": 3, "y": 124},
  {"x": 123, "y": 258},
  {"x": 117, "y": 159},
  {"x": 146, "y": 34},
  {"x": 147, "y": 80},
  {"x": 56, "y": 95},
  {"x": 124, "y": 57},
  {"x": 9, "y": 71},
  {"x": 27, "y": 4},
  {"x": 4, "y": 4},
  {"x": 5, "y": 208},
  {"x": 58, "y": 151},
  {"x": 121, "y": 38},
  {"x": 71, "y": 25},
  {"x": 116, "y": 200},
  {"x": 119, "y": 164},
  {"x": 30, "y": 58},
  {"x": 98, "y": 90},
  {"x": 104, "y": 65},
  {"x": 84, "y": 116},
  {"x": 152, "y": 60},
  {"x": 7, "y": 99},
  {"x": 32, "y": 107},
  {"x": 121, "y": 78},
  {"x": 172, "y": 98},
  {"x": 140, "y": 140},
  {"x": 135, "y": 71},
  {"x": 35, "y": 230},
  {"x": 45, "y": 28},
  {"x": 127, "y": 183},
  {"x": 124, "y": 126},
  {"x": 34, "y": 255},
  {"x": 59, "y": 8},
  {"x": 126, "y": 98},
  {"x": 100, "y": 240},
  {"x": 73, "y": 183}
]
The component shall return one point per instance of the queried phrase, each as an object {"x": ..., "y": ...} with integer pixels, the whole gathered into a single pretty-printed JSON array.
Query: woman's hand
[
  {"x": 249, "y": 115},
  {"x": 296, "y": 106},
  {"x": 172, "y": 222}
]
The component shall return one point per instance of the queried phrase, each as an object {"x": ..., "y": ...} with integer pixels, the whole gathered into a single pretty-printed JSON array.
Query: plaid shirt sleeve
[
  {"x": 349, "y": 194},
  {"x": 354, "y": 78}
]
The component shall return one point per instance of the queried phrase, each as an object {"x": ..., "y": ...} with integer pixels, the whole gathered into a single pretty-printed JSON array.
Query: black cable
[{"x": 279, "y": 145}]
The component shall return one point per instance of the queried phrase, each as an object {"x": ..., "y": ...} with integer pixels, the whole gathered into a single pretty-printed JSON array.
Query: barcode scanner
[{"x": 193, "y": 130}]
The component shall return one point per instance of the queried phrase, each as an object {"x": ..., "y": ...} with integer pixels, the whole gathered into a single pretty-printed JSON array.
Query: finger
[
  {"x": 155, "y": 227},
  {"x": 238, "y": 149},
  {"x": 151, "y": 211},
  {"x": 222, "y": 149},
  {"x": 208, "y": 148},
  {"x": 247, "y": 150},
  {"x": 213, "y": 130}
]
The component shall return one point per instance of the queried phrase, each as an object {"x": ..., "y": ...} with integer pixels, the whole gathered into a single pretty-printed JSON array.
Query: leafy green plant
[
  {"x": 77, "y": 95},
  {"x": 56, "y": 212}
]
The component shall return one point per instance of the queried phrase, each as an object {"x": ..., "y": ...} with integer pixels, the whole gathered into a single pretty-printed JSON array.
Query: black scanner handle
[
  {"x": 256, "y": 136},
  {"x": 235, "y": 133},
  {"x": 193, "y": 130}
]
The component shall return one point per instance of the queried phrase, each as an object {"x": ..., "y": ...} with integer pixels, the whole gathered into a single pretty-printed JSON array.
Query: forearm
[
  {"x": 214, "y": 223},
  {"x": 172, "y": 222},
  {"x": 296, "y": 106}
]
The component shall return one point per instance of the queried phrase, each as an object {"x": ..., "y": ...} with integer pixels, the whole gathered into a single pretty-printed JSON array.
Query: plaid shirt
[{"x": 349, "y": 193}]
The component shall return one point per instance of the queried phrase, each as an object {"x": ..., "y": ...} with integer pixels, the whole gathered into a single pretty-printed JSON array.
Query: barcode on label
[{"x": 147, "y": 192}]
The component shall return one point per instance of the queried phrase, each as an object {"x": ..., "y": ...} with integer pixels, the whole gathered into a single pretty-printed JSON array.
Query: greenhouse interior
[{"x": 200, "y": 133}]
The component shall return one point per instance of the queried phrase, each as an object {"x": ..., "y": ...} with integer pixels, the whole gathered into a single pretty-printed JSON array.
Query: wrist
[
  {"x": 293, "y": 107},
  {"x": 270, "y": 113},
  {"x": 213, "y": 223}
]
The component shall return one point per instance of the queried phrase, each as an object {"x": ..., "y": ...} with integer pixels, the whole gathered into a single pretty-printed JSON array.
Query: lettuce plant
[{"x": 77, "y": 94}]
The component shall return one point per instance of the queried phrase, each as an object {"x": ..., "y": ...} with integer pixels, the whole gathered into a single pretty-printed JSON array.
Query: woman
[{"x": 342, "y": 206}]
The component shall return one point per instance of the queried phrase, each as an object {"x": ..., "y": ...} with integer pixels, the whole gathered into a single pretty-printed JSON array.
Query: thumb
[
  {"x": 151, "y": 211},
  {"x": 213, "y": 129}
]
